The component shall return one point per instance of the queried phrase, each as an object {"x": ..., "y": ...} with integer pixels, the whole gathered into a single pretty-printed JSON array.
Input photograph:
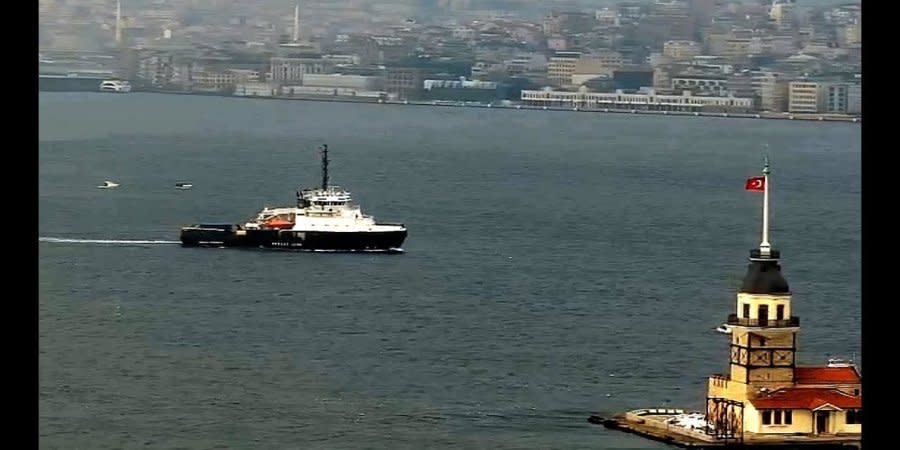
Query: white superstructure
[{"x": 329, "y": 210}]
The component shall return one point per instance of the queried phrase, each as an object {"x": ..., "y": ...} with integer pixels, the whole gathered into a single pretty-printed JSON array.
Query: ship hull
[{"x": 223, "y": 236}]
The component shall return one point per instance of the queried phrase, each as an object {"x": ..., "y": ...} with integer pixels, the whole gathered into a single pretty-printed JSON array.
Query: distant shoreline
[{"x": 453, "y": 104}]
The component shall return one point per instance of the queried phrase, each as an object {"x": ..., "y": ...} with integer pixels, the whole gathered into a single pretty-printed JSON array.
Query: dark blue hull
[{"x": 231, "y": 236}]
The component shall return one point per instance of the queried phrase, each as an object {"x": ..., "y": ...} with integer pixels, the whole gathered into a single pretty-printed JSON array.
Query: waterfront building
[
  {"x": 836, "y": 98},
  {"x": 461, "y": 90},
  {"x": 773, "y": 94},
  {"x": 806, "y": 97},
  {"x": 854, "y": 98},
  {"x": 255, "y": 89},
  {"x": 647, "y": 100},
  {"x": 405, "y": 82}
]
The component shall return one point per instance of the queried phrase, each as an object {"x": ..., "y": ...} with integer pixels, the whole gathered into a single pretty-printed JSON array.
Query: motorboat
[
  {"x": 108, "y": 185},
  {"x": 183, "y": 186},
  {"x": 724, "y": 328},
  {"x": 116, "y": 86},
  {"x": 840, "y": 362}
]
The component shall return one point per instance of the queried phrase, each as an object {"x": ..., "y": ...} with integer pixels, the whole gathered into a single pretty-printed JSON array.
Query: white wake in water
[{"x": 56, "y": 240}]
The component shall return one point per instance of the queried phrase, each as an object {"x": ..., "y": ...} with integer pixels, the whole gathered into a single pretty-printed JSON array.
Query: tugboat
[{"x": 323, "y": 220}]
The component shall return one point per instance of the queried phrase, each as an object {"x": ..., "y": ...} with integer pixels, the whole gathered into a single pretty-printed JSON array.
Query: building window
[
  {"x": 854, "y": 416},
  {"x": 777, "y": 417},
  {"x": 746, "y": 311}
]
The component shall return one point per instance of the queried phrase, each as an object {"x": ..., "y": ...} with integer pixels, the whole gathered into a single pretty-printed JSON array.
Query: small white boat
[
  {"x": 183, "y": 186},
  {"x": 108, "y": 185},
  {"x": 724, "y": 328},
  {"x": 840, "y": 362},
  {"x": 117, "y": 86}
]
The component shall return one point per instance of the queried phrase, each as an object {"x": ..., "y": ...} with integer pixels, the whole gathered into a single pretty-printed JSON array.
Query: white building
[
  {"x": 648, "y": 100},
  {"x": 286, "y": 70},
  {"x": 255, "y": 89},
  {"x": 336, "y": 80}
]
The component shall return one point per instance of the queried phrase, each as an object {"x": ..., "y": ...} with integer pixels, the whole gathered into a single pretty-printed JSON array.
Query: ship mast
[{"x": 324, "y": 166}]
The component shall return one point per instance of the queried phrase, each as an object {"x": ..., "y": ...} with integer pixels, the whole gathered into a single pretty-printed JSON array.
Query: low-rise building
[
  {"x": 255, "y": 89},
  {"x": 647, "y": 100},
  {"x": 343, "y": 81}
]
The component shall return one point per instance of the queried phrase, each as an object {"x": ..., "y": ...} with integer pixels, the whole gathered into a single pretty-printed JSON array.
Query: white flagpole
[{"x": 764, "y": 247}]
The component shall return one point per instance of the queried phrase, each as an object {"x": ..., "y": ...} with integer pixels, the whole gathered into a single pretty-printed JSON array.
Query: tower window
[
  {"x": 762, "y": 315},
  {"x": 746, "y": 310},
  {"x": 779, "y": 312}
]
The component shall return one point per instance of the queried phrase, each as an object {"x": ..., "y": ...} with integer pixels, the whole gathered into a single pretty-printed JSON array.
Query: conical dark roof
[{"x": 764, "y": 275}]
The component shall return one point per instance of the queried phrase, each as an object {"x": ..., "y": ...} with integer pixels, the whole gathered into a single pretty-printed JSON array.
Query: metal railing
[{"x": 792, "y": 321}]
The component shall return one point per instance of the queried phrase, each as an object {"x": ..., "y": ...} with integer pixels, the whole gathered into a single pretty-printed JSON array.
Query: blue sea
[{"x": 558, "y": 265}]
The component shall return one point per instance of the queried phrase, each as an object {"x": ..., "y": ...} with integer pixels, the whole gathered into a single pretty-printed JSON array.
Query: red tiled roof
[
  {"x": 807, "y": 398},
  {"x": 826, "y": 375}
]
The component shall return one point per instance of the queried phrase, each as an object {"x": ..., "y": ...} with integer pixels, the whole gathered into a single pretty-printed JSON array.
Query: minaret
[
  {"x": 118, "y": 21},
  {"x": 295, "y": 34}
]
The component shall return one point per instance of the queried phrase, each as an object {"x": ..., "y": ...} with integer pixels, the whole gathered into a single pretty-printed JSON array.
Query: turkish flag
[{"x": 756, "y": 184}]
